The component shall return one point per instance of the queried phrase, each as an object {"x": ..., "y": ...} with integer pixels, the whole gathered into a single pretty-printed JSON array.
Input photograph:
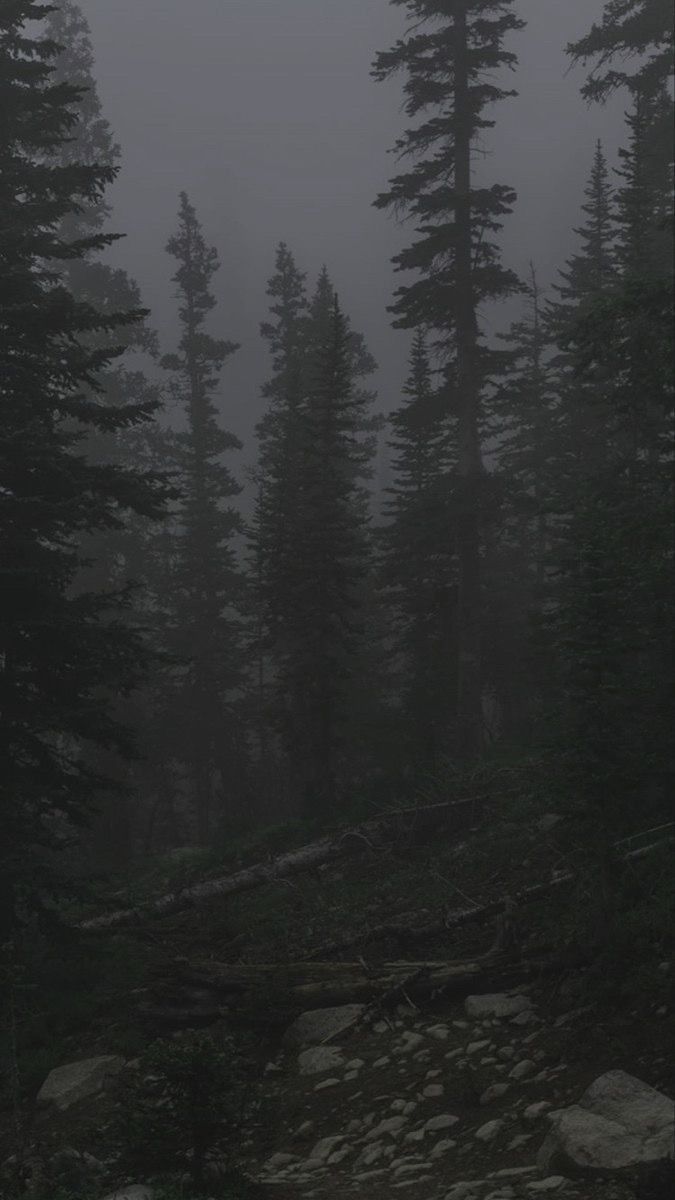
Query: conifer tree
[
  {"x": 446, "y": 57},
  {"x": 207, "y": 585},
  {"x": 63, "y": 653},
  {"x": 419, "y": 569},
  {"x": 632, "y": 46}
]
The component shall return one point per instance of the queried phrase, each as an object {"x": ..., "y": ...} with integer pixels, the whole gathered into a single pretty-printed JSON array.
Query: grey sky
[{"x": 264, "y": 111}]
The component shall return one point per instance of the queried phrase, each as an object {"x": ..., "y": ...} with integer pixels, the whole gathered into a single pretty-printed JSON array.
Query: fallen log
[
  {"x": 223, "y": 988},
  {"x": 374, "y": 835},
  {"x": 409, "y": 931}
]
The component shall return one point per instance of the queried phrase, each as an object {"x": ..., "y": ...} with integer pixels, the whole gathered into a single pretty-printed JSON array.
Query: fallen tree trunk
[
  {"x": 373, "y": 835},
  {"x": 409, "y": 931},
  {"x": 215, "y": 989}
]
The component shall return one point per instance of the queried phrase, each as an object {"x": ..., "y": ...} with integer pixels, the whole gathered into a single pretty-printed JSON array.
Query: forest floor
[{"x": 580, "y": 1024}]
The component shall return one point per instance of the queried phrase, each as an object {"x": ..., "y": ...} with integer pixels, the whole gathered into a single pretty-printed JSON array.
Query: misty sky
[{"x": 265, "y": 112}]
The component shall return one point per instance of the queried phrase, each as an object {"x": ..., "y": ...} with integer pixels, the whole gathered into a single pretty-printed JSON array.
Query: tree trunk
[{"x": 470, "y": 732}]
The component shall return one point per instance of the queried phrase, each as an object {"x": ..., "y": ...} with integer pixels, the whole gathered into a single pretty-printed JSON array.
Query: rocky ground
[{"x": 440, "y": 1109}]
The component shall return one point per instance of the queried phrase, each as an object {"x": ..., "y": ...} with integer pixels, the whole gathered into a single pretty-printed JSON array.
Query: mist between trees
[{"x": 176, "y": 668}]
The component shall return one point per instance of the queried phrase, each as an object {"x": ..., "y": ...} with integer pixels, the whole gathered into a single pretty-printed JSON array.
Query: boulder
[
  {"x": 76, "y": 1081},
  {"x": 619, "y": 1122},
  {"x": 313, "y": 1028},
  {"x": 496, "y": 1005},
  {"x": 318, "y": 1060}
]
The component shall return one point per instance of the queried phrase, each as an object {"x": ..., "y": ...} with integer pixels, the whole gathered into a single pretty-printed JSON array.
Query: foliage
[{"x": 183, "y": 1108}]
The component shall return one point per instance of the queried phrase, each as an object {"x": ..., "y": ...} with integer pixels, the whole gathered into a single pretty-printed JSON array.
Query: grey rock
[
  {"x": 325, "y": 1147},
  {"x": 77, "y": 1081},
  {"x": 523, "y": 1069},
  {"x": 619, "y": 1122},
  {"x": 441, "y": 1148},
  {"x": 543, "y": 1186},
  {"x": 489, "y": 1131},
  {"x": 498, "y": 1004},
  {"x": 494, "y": 1092},
  {"x": 312, "y": 1028},
  {"x": 433, "y": 1091},
  {"x": 442, "y": 1121},
  {"x": 319, "y": 1059},
  {"x": 391, "y": 1125}
]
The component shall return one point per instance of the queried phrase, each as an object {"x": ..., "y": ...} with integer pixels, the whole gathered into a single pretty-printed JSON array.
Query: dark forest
[{"x": 336, "y": 660}]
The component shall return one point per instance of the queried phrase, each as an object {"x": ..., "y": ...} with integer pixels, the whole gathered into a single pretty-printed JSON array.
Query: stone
[
  {"x": 474, "y": 1047},
  {"x": 355, "y": 1064},
  {"x": 391, "y": 1125},
  {"x": 494, "y": 1092},
  {"x": 506, "y": 1053},
  {"x": 534, "y": 1111},
  {"x": 339, "y": 1156},
  {"x": 543, "y": 1186},
  {"x": 498, "y": 1004},
  {"x": 466, "y": 1189},
  {"x": 132, "y": 1191},
  {"x": 370, "y": 1155},
  {"x": 77, "y": 1081},
  {"x": 319, "y": 1059},
  {"x": 414, "y": 1137},
  {"x": 326, "y": 1083},
  {"x": 619, "y": 1122},
  {"x": 314, "y": 1027},
  {"x": 526, "y": 1017},
  {"x": 441, "y": 1033},
  {"x": 523, "y": 1069},
  {"x": 325, "y": 1147},
  {"x": 279, "y": 1160},
  {"x": 433, "y": 1091},
  {"x": 441, "y": 1148},
  {"x": 410, "y": 1041},
  {"x": 489, "y": 1131},
  {"x": 382, "y": 1062},
  {"x": 548, "y": 822},
  {"x": 442, "y": 1121}
]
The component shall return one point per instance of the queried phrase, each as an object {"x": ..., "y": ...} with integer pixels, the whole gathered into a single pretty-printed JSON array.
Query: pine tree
[
  {"x": 63, "y": 653},
  {"x": 207, "y": 585},
  {"x": 446, "y": 57},
  {"x": 332, "y": 547},
  {"x": 632, "y": 46},
  {"x": 418, "y": 568}
]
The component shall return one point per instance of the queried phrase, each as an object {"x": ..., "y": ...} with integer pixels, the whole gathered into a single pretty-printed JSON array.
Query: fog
[{"x": 265, "y": 112}]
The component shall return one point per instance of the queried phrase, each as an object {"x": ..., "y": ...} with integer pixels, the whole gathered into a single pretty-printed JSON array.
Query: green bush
[{"x": 183, "y": 1109}]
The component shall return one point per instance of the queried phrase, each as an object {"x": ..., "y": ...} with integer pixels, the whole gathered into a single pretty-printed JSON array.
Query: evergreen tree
[
  {"x": 446, "y": 57},
  {"x": 311, "y": 526},
  {"x": 632, "y": 46},
  {"x": 207, "y": 584},
  {"x": 419, "y": 569},
  {"x": 63, "y": 653}
]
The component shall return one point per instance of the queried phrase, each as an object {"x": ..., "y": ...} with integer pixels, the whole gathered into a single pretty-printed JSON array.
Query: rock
[
  {"x": 474, "y": 1047},
  {"x": 489, "y": 1131},
  {"x": 433, "y": 1091},
  {"x": 495, "y": 1092},
  {"x": 498, "y": 1005},
  {"x": 320, "y": 1059},
  {"x": 442, "y": 1148},
  {"x": 440, "y": 1032},
  {"x": 417, "y": 1135},
  {"x": 534, "y": 1111},
  {"x": 526, "y": 1017},
  {"x": 391, "y": 1125},
  {"x": 326, "y": 1083},
  {"x": 506, "y": 1053},
  {"x": 543, "y": 1186},
  {"x": 78, "y": 1081},
  {"x": 410, "y": 1041},
  {"x": 523, "y": 1069},
  {"x": 339, "y": 1156},
  {"x": 279, "y": 1160},
  {"x": 548, "y": 822},
  {"x": 442, "y": 1121},
  {"x": 325, "y": 1147},
  {"x": 133, "y": 1191},
  {"x": 304, "y": 1130},
  {"x": 382, "y": 1062},
  {"x": 355, "y": 1064},
  {"x": 619, "y": 1122},
  {"x": 312, "y": 1028},
  {"x": 466, "y": 1189}
]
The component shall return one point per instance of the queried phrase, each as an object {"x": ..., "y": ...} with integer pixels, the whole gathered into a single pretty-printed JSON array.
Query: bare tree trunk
[{"x": 470, "y": 732}]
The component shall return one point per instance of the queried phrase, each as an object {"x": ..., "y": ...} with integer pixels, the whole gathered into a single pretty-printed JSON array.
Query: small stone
[
  {"x": 380, "y": 1027},
  {"x": 442, "y": 1121},
  {"x": 320, "y": 1059},
  {"x": 547, "y": 1185},
  {"x": 506, "y": 1053},
  {"x": 382, "y": 1062},
  {"x": 489, "y": 1131},
  {"x": 415, "y": 1136},
  {"x": 534, "y": 1111},
  {"x": 474, "y": 1047},
  {"x": 441, "y": 1033},
  {"x": 411, "y": 1041},
  {"x": 433, "y": 1074},
  {"x": 524, "y": 1018},
  {"x": 326, "y": 1083},
  {"x": 521, "y": 1139},
  {"x": 497, "y": 1005},
  {"x": 355, "y": 1064},
  {"x": 433, "y": 1091},
  {"x": 326, "y": 1147},
  {"x": 495, "y": 1092},
  {"x": 523, "y": 1069},
  {"x": 391, "y": 1125},
  {"x": 441, "y": 1148}
]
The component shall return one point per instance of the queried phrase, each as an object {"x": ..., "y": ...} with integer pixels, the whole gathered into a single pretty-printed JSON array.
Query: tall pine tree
[
  {"x": 64, "y": 654},
  {"x": 447, "y": 57},
  {"x": 207, "y": 583},
  {"x": 419, "y": 568}
]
